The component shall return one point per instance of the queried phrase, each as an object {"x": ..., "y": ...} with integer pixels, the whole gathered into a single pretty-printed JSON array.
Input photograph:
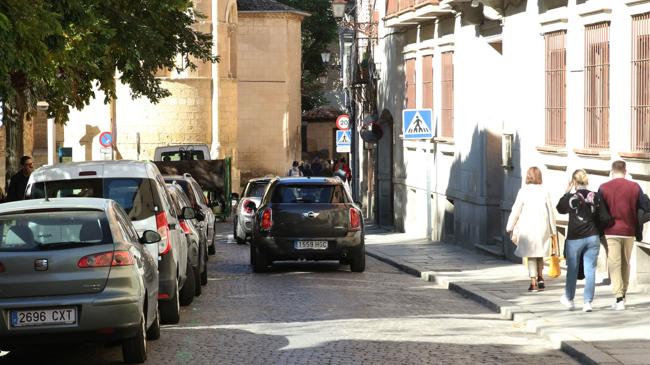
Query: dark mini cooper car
[{"x": 311, "y": 218}]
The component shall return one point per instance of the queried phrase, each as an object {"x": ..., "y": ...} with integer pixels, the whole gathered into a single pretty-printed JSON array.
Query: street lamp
[
  {"x": 338, "y": 8},
  {"x": 325, "y": 56}
]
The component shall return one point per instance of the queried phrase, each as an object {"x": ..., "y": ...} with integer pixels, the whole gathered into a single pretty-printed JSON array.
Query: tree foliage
[
  {"x": 61, "y": 51},
  {"x": 318, "y": 31}
]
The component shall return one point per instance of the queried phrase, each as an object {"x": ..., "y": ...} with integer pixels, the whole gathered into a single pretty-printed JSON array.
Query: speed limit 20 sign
[{"x": 343, "y": 122}]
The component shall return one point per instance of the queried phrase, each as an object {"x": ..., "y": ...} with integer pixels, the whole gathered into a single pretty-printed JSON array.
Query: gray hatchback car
[{"x": 75, "y": 270}]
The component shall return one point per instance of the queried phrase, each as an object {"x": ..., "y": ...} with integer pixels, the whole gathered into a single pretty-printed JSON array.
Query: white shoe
[
  {"x": 567, "y": 303},
  {"x": 619, "y": 306},
  {"x": 586, "y": 307}
]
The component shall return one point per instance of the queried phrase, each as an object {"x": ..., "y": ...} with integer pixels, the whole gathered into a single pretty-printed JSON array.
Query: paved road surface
[{"x": 320, "y": 313}]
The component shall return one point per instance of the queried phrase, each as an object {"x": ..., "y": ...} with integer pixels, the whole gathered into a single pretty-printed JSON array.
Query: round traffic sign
[
  {"x": 343, "y": 122},
  {"x": 106, "y": 139}
]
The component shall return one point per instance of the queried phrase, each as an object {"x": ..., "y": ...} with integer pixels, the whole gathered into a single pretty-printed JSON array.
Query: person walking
[
  {"x": 18, "y": 182},
  {"x": 583, "y": 238},
  {"x": 295, "y": 169},
  {"x": 622, "y": 197},
  {"x": 531, "y": 225}
]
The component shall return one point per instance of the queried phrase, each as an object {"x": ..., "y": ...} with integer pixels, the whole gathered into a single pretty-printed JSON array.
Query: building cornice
[{"x": 297, "y": 15}]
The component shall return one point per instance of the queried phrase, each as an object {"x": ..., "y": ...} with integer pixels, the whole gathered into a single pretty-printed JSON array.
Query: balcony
[{"x": 404, "y": 13}]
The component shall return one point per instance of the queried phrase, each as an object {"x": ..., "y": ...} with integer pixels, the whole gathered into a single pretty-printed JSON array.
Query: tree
[
  {"x": 62, "y": 51},
  {"x": 318, "y": 32}
]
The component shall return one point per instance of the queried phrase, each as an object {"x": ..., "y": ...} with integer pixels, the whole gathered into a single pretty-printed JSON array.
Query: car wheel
[
  {"x": 197, "y": 281},
  {"x": 170, "y": 311},
  {"x": 134, "y": 349},
  {"x": 188, "y": 290},
  {"x": 239, "y": 240},
  {"x": 358, "y": 262},
  {"x": 258, "y": 262},
  {"x": 153, "y": 333},
  {"x": 204, "y": 274}
]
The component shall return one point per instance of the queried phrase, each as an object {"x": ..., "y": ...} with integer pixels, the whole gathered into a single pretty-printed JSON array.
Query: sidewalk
[{"x": 603, "y": 336}]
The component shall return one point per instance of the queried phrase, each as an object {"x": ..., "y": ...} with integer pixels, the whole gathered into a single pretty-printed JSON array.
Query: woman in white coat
[{"x": 531, "y": 225}]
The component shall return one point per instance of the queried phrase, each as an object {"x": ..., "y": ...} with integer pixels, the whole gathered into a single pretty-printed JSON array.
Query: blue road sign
[
  {"x": 343, "y": 138},
  {"x": 417, "y": 124},
  {"x": 106, "y": 139}
]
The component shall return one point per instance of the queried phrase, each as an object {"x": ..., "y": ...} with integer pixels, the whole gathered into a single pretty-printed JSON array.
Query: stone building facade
[
  {"x": 204, "y": 107},
  {"x": 512, "y": 84},
  {"x": 269, "y": 74}
]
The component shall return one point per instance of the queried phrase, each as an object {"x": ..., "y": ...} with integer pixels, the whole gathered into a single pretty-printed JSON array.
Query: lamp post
[{"x": 325, "y": 56}]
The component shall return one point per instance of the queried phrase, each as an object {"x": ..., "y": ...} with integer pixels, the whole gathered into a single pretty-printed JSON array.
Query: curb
[{"x": 579, "y": 350}]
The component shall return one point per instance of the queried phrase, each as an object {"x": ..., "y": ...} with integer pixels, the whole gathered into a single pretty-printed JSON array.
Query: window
[
  {"x": 52, "y": 230},
  {"x": 555, "y": 101},
  {"x": 427, "y": 82},
  {"x": 641, "y": 83},
  {"x": 305, "y": 194},
  {"x": 597, "y": 86},
  {"x": 409, "y": 71},
  {"x": 447, "y": 97}
]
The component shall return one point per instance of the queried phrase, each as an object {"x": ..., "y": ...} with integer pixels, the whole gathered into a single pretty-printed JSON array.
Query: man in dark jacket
[
  {"x": 18, "y": 182},
  {"x": 622, "y": 198}
]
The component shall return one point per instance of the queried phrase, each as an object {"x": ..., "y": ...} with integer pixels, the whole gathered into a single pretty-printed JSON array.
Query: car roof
[
  {"x": 261, "y": 179},
  {"x": 309, "y": 180},
  {"x": 102, "y": 169},
  {"x": 54, "y": 203}
]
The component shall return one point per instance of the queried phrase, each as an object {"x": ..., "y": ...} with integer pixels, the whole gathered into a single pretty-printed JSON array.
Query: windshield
[
  {"x": 136, "y": 196},
  {"x": 256, "y": 190},
  {"x": 182, "y": 155},
  {"x": 308, "y": 194},
  {"x": 30, "y": 231}
]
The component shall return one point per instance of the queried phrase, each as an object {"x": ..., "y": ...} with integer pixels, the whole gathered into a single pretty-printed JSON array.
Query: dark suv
[
  {"x": 311, "y": 218},
  {"x": 204, "y": 215}
]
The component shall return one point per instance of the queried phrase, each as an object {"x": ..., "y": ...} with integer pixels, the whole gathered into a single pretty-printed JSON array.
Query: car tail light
[
  {"x": 117, "y": 258},
  {"x": 163, "y": 296},
  {"x": 163, "y": 230},
  {"x": 247, "y": 210},
  {"x": 185, "y": 226},
  {"x": 267, "y": 219},
  {"x": 355, "y": 220}
]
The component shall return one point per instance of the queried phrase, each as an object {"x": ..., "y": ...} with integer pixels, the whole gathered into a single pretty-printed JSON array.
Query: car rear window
[
  {"x": 186, "y": 188},
  {"x": 182, "y": 155},
  {"x": 328, "y": 194},
  {"x": 44, "y": 230},
  {"x": 256, "y": 189},
  {"x": 135, "y": 195}
]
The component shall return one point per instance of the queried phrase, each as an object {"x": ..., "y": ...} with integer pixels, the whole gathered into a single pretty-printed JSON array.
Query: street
[{"x": 320, "y": 313}]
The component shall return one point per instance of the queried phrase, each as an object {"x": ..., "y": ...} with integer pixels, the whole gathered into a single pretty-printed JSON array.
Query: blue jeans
[{"x": 589, "y": 248}]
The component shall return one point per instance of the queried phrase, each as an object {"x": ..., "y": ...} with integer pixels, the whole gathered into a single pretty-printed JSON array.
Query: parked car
[
  {"x": 243, "y": 220},
  {"x": 138, "y": 187},
  {"x": 182, "y": 152},
  {"x": 311, "y": 218},
  {"x": 205, "y": 217},
  {"x": 76, "y": 270},
  {"x": 197, "y": 253}
]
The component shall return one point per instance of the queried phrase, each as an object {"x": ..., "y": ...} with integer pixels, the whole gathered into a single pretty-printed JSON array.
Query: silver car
[
  {"x": 75, "y": 270},
  {"x": 243, "y": 215}
]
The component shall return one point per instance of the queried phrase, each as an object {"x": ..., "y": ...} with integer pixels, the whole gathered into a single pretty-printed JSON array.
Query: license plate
[
  {"x": 311, "y": 245},
  {"x": 43, "y": 317}
]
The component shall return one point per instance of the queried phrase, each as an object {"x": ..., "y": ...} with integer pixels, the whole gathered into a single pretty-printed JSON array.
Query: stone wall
[{"x": 269, "y": 97}]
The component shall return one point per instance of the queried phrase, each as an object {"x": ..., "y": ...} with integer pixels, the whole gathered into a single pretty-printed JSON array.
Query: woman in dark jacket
[{"x": 582, "y": 237}]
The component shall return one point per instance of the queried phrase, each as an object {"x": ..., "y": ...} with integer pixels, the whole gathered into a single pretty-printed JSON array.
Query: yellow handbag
[{"x": 554, "y": 261}]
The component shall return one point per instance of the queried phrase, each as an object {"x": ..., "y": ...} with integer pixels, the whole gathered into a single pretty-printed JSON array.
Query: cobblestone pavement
[{"x": 321, "y": 313}]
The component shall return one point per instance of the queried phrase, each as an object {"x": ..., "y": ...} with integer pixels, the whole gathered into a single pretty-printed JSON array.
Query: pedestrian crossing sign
[
  {"x": 417, "y": 124},
  {"x": 343, "y": 141}
]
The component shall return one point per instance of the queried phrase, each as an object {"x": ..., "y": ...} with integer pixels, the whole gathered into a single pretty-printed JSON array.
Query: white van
[
  {"x": 138, "y": 187},
  {"x": 182, "y": 152}
]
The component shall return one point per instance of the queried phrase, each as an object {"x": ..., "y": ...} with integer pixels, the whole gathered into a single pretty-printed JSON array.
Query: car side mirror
[
  {"x": 199, "y": 215},
  {"x": 234, "y": 196},
  {"x": 150, "y": 237},
  {"x": 250, "y": 205},
  {"x": 358, "y": 203},
  {"x": 188, "y": 213}
]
